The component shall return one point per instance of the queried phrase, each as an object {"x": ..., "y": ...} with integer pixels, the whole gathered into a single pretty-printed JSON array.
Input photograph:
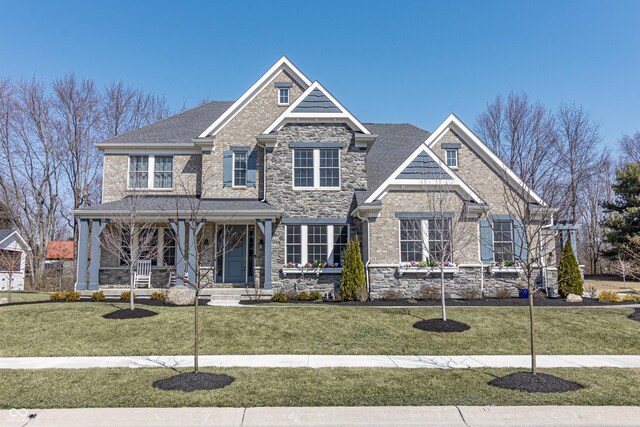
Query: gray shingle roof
[
  {"x": 394, "y": 144},
  {"x": 316, "y": 102},
  {"x": 4, "y": 233},
  {"x": 171, "y": 204},
  {"x": 180, "y": 128}
]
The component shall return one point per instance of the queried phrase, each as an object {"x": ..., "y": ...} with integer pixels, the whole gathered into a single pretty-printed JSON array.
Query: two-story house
[{"x": 289, "y": 169}]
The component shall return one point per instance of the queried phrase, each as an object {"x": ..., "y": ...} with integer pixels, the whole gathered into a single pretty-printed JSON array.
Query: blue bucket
[{"x": 523, "y": 293}]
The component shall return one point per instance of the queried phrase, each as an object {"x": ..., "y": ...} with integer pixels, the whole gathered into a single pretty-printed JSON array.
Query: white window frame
[
  {"x": 446, "y": 157},
  {"x": 513, "y": 243},
  {"x": 150, "y": 172},
  {"x": 304, "y": 241},
  {"x": 424, "y": 230},
  {"x": 280, "y": 92},
  {"x": 316, "y": 170},
  {"x": 233, "y": 169}
]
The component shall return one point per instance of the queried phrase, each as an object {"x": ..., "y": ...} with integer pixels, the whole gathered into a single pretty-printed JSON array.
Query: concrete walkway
[
  {"x": 455, "y": 416},
  {"x": 325, "y": 361}
]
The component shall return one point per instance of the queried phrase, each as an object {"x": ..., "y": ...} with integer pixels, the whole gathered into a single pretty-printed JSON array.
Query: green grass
[
  {"x": 307, "y": 387},
  {"x": 25, "y": 296},
  {"x": 78, "y": 329}
]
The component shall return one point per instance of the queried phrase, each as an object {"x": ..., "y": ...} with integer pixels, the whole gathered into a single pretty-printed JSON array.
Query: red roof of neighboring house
[{"x": 60, "y": 249}]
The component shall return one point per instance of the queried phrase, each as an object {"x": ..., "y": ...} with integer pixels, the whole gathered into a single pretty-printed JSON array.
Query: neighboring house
[
  {"x": 292, "y": 169},
  {"x": 13, "y": 256},
  {"x": 59, "y": 257}
]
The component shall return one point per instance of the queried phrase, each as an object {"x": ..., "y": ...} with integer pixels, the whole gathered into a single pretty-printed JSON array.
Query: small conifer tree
[
  {"x": 353, "y": 284},
  {"x": 569, "y": 278}
]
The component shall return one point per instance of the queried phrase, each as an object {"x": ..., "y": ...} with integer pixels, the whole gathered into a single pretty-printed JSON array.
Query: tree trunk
[
  {"x": 131, "y": 287},
  {"x": 444, "y": 306},
  {"x": 195, "y": 336},
  {"x": 532, "y": 327}
]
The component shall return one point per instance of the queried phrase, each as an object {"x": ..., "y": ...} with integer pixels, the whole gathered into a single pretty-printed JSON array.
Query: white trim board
[
  {"x": 344, "y": 116},
  {"x": 283, "y": 64}
]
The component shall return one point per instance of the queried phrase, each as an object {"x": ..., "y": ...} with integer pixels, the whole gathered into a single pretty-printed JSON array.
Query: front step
[{"x": 233, "y": 296}]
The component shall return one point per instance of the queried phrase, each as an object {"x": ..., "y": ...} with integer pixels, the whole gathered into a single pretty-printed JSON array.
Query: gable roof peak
[{"x": 283, "y": 64}]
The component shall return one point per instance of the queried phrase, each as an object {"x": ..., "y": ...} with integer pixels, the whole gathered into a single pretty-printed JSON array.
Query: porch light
[{"x": 261, "y": 244}]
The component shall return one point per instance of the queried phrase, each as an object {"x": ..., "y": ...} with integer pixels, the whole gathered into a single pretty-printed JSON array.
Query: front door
[{"x": 235, "y": 254}]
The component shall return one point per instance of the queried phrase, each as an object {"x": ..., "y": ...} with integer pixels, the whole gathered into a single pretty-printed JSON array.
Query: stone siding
[
  {"x": 118, "y": 278},
  {"x": 314, "y": 203}
]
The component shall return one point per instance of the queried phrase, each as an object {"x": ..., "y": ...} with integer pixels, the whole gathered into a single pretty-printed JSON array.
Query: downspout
[
  {"x": 264, "y": 172},
  {"x": 481, "y": 278}
]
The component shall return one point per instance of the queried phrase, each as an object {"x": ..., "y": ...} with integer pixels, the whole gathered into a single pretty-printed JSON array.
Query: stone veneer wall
[
  {"x": 313, "y": 203},
  {"x": 118, "y": 278},
  {"x": 384, "y": 279}
]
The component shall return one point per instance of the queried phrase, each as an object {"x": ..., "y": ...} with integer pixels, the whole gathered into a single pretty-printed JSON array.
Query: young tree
[
  {"x": 10, "y": 263},
  {"x": 569, "y": 277},
  {"x": 353, "y": 285},
  {"x": 131, "y": 235}
]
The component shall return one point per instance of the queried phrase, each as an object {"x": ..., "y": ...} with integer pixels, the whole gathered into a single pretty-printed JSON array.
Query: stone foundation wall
[
  {"x": 118, "y": 278},
  {"x": 323, "y": 283},
  {"x": 463, "y": 284}
]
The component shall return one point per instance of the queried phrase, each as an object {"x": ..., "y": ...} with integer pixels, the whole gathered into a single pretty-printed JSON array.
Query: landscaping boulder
[
  {"x": 181, "y": 295},
  {"x": 4, "y": 301},
  {"x": 574, "y": 298}
]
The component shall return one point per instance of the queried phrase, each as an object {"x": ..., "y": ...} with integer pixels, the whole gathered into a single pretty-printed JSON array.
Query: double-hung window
[
  {"x": 283, "y": 96},
  {"x": 150, "y": 172},
  {"x": 316, "y": 168},
  {"x": 503, "y": 241},
  {"x": 307, "y": 244},
  {"x": 452, "y": 158},
  {"x": 239, "y": 168},
  {"x": 422, "y": 239}
]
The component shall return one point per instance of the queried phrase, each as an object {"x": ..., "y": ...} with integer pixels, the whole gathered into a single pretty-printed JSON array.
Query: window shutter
[
  {"x": 519, "y": 241},
  {"x": 252, "y": 166},
  {"x": 227, "y": 170},
  {"x": 486, "y": 242}
]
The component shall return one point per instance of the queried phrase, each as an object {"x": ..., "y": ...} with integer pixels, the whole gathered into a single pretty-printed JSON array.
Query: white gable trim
[
  {"x": 15, "y": 237},
  {"x": 395, "y": 182},
  {"x": 480, "y": 148},
  {"x": 289, "y": 116},
  {"x": 283, "y": 64}
]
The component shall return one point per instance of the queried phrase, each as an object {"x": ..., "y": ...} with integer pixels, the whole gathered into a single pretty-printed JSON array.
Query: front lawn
[
  {"x": 307, "y": 387},
  {"x": 19, "y": 296},
  {"x": 78, "y": 329}
]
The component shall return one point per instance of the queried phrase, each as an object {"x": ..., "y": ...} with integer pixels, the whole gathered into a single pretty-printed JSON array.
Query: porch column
[
  {"x": 94, "y": 266},
  {"x": 178, "y": 228},
  {"x": 83, "y": 255},
  {"x": 194, "y": 229},
  {"x": 267, "y": 253}
]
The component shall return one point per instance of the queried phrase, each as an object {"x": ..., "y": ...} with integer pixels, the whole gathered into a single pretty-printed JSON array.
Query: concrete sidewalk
[
  {"x": 456, "y": 416},
  {"x": 325, "y": 361}
]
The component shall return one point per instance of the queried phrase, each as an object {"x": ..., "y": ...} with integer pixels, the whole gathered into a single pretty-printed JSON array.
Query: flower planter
[
  {"x": 506, "y": 270},
  {"x": 427, "y": 270},
  {"x": 316, "y": 271}
]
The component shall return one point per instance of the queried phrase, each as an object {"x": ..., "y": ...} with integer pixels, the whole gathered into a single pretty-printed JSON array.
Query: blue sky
[{"x": 394, "y": 61}]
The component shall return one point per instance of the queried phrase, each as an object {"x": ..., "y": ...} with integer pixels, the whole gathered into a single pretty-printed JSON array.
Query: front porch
[{"x": 229, "y": 246}]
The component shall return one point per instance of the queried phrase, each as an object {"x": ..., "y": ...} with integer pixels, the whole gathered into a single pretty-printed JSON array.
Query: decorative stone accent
[
  {"x": 574, "y": 298},
  {"x": 181, "y": 295}
]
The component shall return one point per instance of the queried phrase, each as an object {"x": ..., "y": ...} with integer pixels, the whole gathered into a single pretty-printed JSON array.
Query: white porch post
[{"x": 83, "y": 255}]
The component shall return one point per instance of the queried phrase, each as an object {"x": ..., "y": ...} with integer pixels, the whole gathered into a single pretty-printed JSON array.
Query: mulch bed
[
  {"x": 194, "y": 381},
  {"x": 539, "y": 383},
  {"x": 439, "y": 325},
  {"x": 126, "y": 313},
  {"x": 635, "y": 315}
]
